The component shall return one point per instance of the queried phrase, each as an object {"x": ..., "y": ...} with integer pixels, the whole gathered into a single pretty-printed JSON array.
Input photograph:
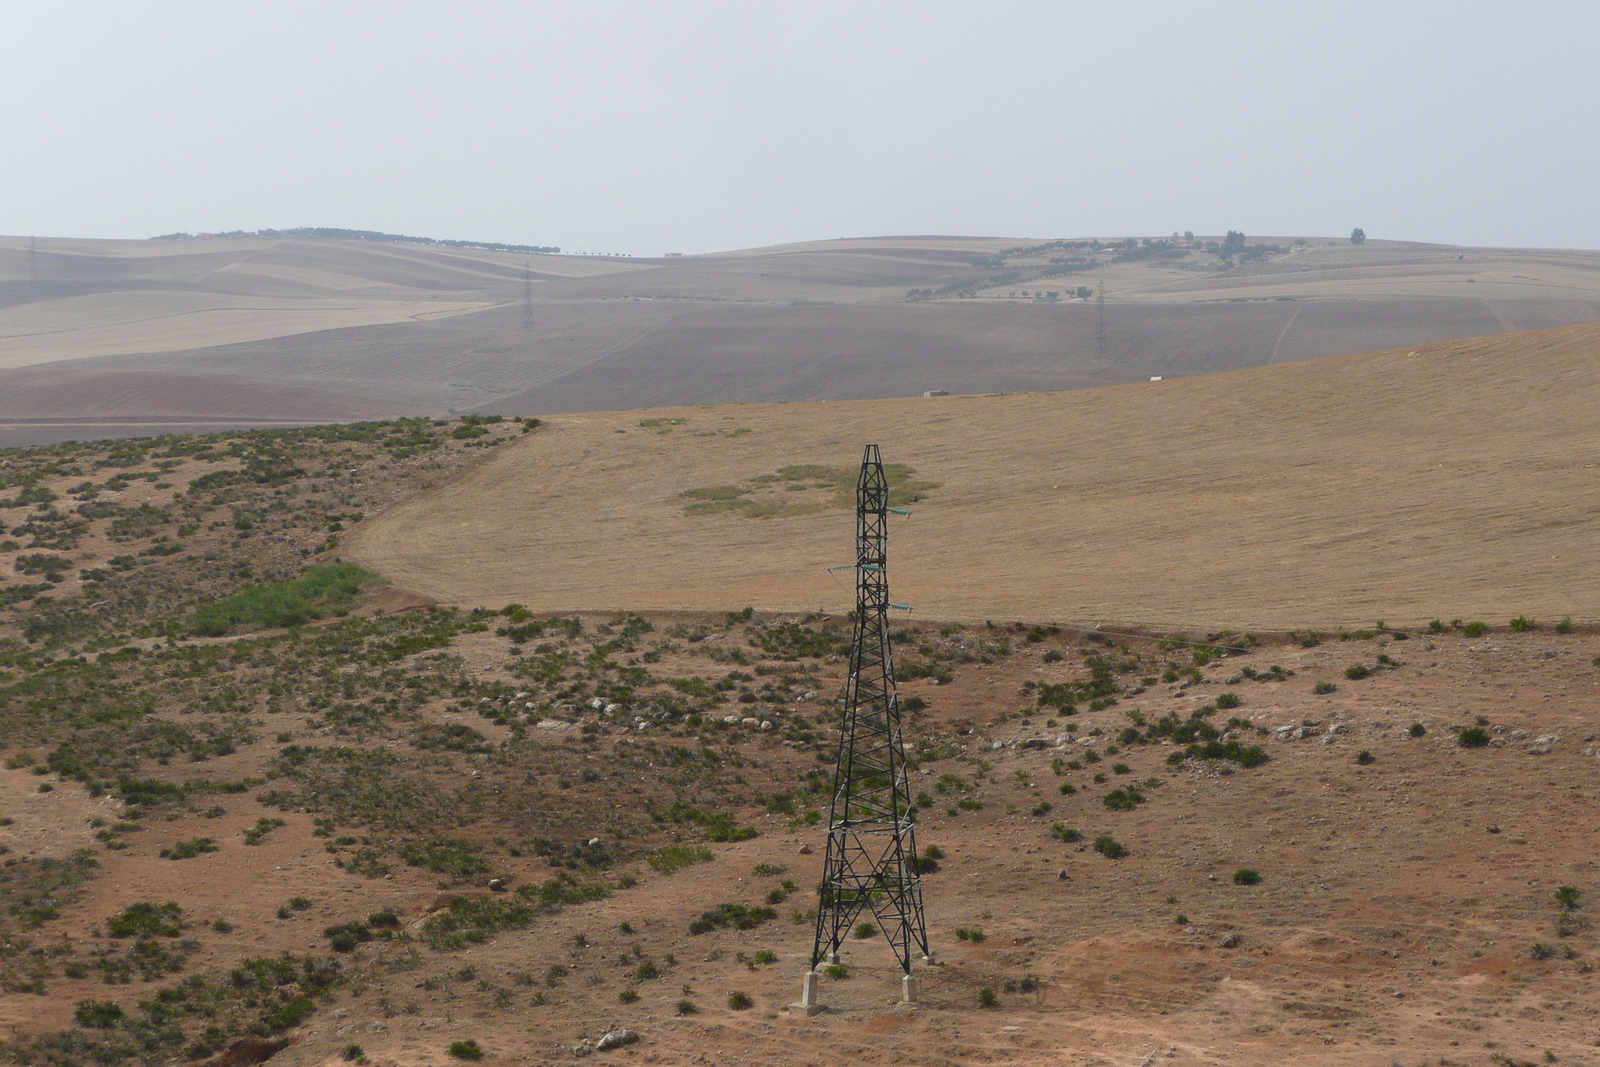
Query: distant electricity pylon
[
  {"x": 33, "y": 261},
  {"x": 872, "y": 845},
  {"x": 1100, "y": 319},
  {"x": 527, "y": 297}
]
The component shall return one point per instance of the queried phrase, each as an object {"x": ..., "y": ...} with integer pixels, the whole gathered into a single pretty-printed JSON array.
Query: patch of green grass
[
  {"x": 456, "y": 857},
  {"x": 465, "y": 1050},
  {"x": 329, "y": 587},
  {"x": 672, "y": 858},
  {"x": 1247, "y": 876},
  {"x": 1475, "y": 629},
  {"x": 739, "y": 1001}
]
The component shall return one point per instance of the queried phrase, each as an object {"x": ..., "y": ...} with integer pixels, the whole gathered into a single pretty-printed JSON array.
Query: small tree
[{"x": 1358, "y": 236}]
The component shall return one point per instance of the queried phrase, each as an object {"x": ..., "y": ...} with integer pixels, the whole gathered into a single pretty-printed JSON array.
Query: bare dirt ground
[
  {"x": 395, "y": 329},
  {"x": 1396, "y": 919},
  {"x": 1454, "y": 479}
]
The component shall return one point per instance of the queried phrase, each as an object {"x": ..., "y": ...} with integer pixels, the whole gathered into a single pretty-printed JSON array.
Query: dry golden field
[{"x": 1453, "y": 480}]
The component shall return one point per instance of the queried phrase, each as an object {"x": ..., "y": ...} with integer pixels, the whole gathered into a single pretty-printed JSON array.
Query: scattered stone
[
  {"x": 1230, "y": 941},
  {"x": 1518, "y": 735},
  {"x": 1063, "y": 875},
  {"x": 1499, "y": 728},
  {"x": 551, "y": 724},
  {"x": 497, "y": 885},
  {"x": 766, "y": 724},
  {"x": 616, "y": 1039},
  {"x": 805, "y": 850},
  {"x": 1233, "y": 679}
]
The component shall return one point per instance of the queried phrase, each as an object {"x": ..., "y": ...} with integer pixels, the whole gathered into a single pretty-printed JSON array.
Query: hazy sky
[{"x": 690, "y": 127}]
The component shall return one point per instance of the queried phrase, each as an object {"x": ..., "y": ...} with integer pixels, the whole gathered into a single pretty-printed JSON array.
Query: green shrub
[
  {"x": 145, "y": 919},
  {"x": 1565, "y": 625},
  {"x": 739, "y": 1001},
  {"x": 974, "y": 934},
  {"x": 628, "y": 995},
  {"x": 1357, "y": 672},
  {"x": 1473, "y": 737},
  {"x": 1567, "y": 897},
  {"x": 184, "y": 850},
  {"x": 737, "y": 916},
  {"x": 865, "y": 930},
  {"x": 353, "y": 1053},
  {"x": 1123, "y": 799},
  {"x": 1365, "y": 758},
  {"x": 1324, "y": 688},
  {"x": 1417, "y": 729},
  {"x": 687, "y": 1007},
  {"x": 1475, "y": 629},
  {"x": 1110, "y": 847},
  {"x": 1229, "y": 700},
  {"x": 1521, "y": 624},
  {"x": 1042, "y": 808},
  {"x": 766, "y": 956},
  {"x": 1246, "y": 876},
  {"x": 986, "y": 997},
  {"x": 100, "y": 1014},
  {"x": 1066, "y": 833},
  {"x": 1068, "y": 789},
  {"x": 1436, "y": 627},
  {"x": 837, "y": 972},
  {"x": 1542, "y": 950},
  {"x": 466, "y": 1050}
]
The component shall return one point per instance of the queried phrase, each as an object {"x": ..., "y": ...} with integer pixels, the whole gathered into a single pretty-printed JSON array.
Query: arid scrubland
[{"x": 267, "y": 792}]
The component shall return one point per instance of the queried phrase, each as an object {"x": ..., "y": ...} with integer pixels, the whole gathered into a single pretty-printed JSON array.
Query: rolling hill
[
  {"x": 125, "y": 337},
  {"x": 1452, "y": 479}
]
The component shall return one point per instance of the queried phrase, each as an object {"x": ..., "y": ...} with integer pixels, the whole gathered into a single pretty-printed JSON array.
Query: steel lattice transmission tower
[
  {"x": 871, "y": 863},
  {"x": 1100, "y": 319},
  {"x": 527, "y": 297}
]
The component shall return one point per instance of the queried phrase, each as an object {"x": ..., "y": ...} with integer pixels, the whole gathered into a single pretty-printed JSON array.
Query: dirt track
[{"x": 1455, "y": 480}]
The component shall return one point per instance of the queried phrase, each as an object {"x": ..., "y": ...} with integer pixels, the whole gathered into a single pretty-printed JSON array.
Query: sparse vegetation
[
  {"x": 1473, "y": 737},
  {"x": 1246, "y": 876}
]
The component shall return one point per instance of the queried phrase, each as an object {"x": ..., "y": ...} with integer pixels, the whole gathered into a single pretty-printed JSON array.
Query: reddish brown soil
[{"x": 1394, "y": 921}]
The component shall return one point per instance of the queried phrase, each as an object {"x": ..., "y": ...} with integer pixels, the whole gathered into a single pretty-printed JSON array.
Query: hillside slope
[
  {"x": 286, "y": 328},
  {"x": 1456, "y": 479}
]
